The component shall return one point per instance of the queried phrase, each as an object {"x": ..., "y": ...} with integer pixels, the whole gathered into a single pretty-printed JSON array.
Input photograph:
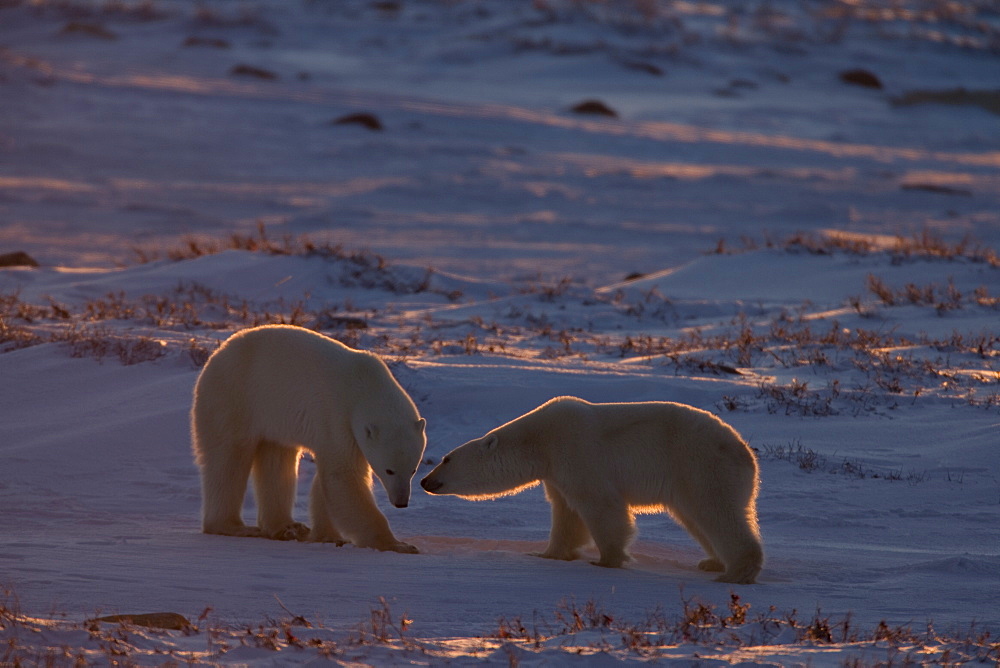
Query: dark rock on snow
[
  {"x": 594, "y": 107},
  {"x": 17, "y": 259}
]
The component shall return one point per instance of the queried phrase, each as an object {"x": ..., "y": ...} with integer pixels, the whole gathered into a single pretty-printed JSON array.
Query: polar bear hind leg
[
  {"x": 712, "y": 561},
  {"x": 275, "y": 474},
  {"x": 743, "y": 558},
  {"x": 728, "y": 537}
]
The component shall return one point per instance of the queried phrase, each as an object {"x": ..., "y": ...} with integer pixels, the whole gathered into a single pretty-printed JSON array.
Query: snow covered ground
[{"x": 750, "y": 235}]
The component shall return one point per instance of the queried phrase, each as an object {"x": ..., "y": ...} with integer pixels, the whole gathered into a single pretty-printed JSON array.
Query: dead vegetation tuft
[
  {"x": 573, "y": 628},
  {"x": 735, "y": 626},
  {"x": 855, "y": 362},
  {"x": 922, "y": 246},
  {"x": 810, "y": 461}
]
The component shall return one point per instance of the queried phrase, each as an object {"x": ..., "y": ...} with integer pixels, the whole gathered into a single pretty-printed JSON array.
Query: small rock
[
  {"x": 986, "y": 99},
  {"x": 860, "y": 77},
  {"x": 643, "y": 66},
  {"x": 595, "y": 107},
  {"x": 17, "y": 259},
  {"x": 87, "y": 29},
  {"x": 388, "y": 6},
  {"x": 169, "y": 621},
  {"x": 211, "y": 42},
  {"x": 936, "y": 188},
  {"x": 364, "y": 119},
  {"x": 251, "y": 71}
]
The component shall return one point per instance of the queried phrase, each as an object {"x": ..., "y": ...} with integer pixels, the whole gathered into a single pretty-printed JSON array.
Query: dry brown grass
[
  {"x": 922, "y": 246},
  {"x": 587, "y": 627}
]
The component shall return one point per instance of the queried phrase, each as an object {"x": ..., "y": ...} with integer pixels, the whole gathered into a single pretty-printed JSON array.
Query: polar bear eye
[{"x": 390, "y": 472}]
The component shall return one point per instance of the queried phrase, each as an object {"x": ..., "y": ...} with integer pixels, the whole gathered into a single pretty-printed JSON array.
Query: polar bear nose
[
  {"x": 431, "y": 485},
  {"x": 404, "y": 504}
]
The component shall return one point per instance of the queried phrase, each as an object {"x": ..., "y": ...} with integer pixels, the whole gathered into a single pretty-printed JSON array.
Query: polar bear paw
[
  {"x": 711, "y": 564},
  {"x": 294, "y": 531},
  {"x": 614, "y": 561},
  {"x": 240, "y": 531},
  {"x": 553, "y": 554},
  {"x": 401, "y": 547}
]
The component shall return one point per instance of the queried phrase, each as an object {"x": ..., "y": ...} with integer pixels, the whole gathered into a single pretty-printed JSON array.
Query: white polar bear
[
  {"x": 603, "y": 463},
  {"x": 272, "y": 391}
]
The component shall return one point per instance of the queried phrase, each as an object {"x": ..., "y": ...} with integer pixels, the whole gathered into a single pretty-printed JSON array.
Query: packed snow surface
[{"x": 811, "y": 259}]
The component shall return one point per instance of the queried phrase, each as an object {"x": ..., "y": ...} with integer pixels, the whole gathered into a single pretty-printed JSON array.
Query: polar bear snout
[
  {"x": 398, "y": 495},
  {"x": 431, "y": 486}
]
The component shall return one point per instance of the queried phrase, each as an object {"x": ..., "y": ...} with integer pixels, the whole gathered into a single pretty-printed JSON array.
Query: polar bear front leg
[
  {"x": 349, "y": 499},
  {"x": 275, "y": 472},
  {"x": 568, "y": 533},
  {"x": 323, "y": 530}
]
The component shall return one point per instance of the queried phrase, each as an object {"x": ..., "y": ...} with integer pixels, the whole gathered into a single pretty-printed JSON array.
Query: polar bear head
[
  {"x": 485, "y": 468},
  {"x": 393, "y": 450}
]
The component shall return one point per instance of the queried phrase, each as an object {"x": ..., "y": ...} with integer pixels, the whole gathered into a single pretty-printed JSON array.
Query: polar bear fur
[
  {"x": 271, "y": 392},
  {"x": 603, "y": 463}
]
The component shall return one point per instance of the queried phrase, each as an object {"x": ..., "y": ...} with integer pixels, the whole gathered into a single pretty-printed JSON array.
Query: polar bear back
[
  {"x": 645, "y": 451},
  {"x": 280, "y": 382}
]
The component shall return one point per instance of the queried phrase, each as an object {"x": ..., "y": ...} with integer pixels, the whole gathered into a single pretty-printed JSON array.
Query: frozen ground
[
  {"x": 481, "y": 167},
  {"x": 860, "y": 358}
]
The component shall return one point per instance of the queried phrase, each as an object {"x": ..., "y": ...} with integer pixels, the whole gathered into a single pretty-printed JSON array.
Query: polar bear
[
  {"x": 267, "y": 394},
  {"x": 603, "y": 463}
]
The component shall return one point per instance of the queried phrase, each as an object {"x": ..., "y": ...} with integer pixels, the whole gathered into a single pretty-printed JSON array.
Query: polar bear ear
[
  {"x": 421, "y": 424},
  {"x": 490, "y": 443},
  {"x": 371, "y": 431}
]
